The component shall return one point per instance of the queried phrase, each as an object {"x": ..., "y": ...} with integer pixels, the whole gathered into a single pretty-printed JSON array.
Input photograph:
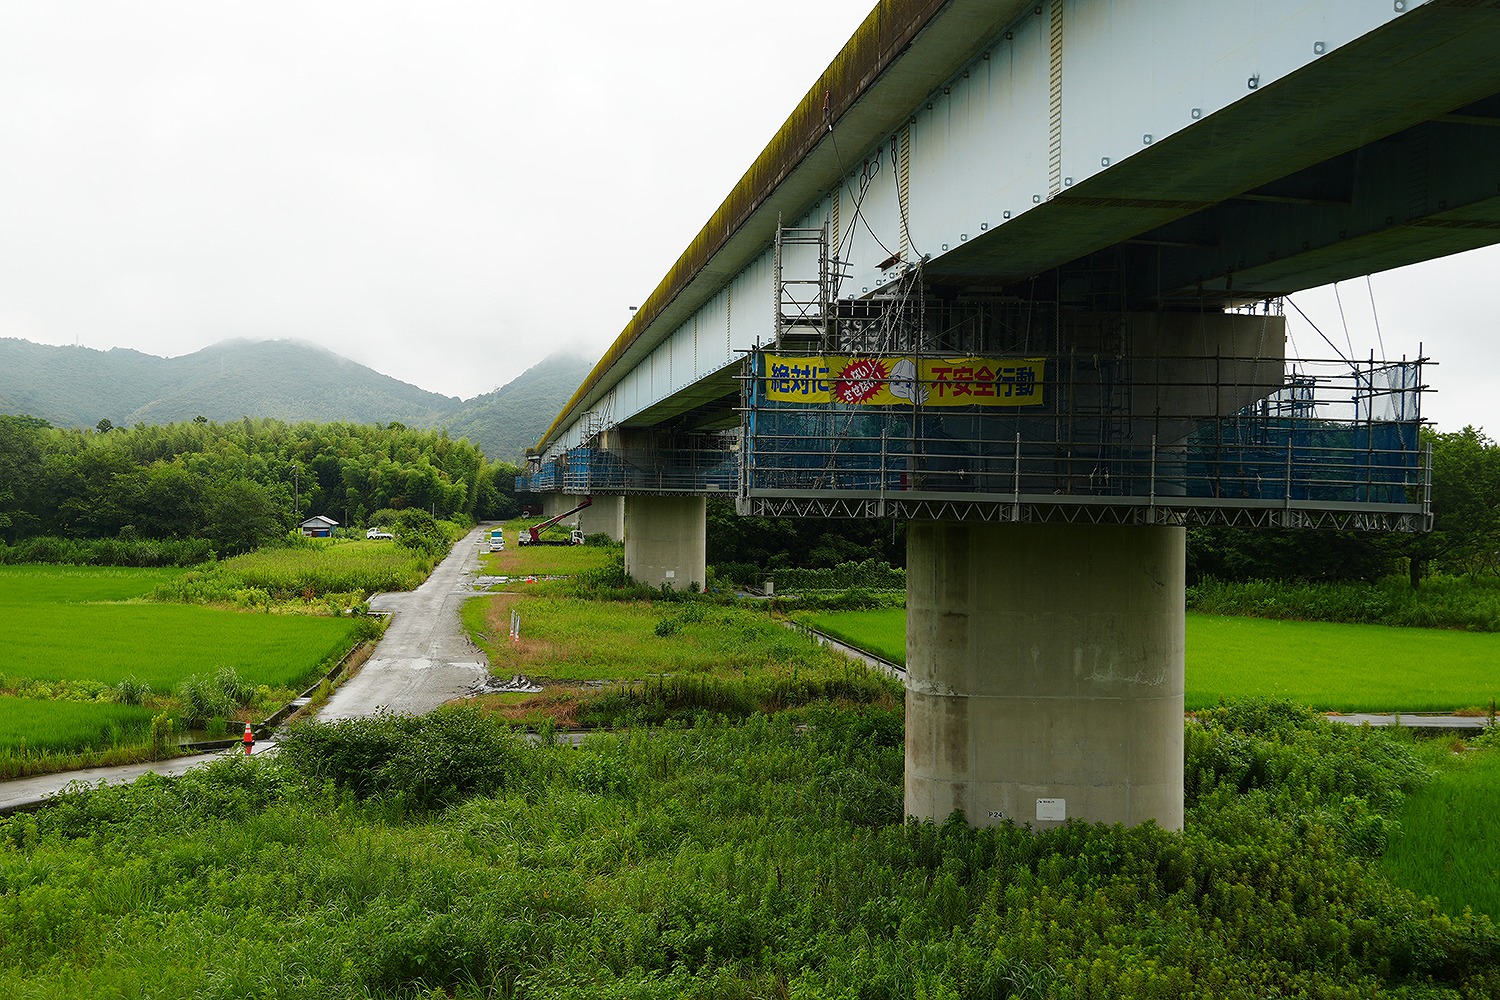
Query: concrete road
[{"x": 425, "y": 659}]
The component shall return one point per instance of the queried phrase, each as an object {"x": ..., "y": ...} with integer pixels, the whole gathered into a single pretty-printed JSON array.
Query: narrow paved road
[{"x": 425, "y": 658}]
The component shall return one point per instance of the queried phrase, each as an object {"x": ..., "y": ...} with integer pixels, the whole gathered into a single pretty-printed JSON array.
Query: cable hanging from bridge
[
  {"x": 1348, "y": 340},
  {"x": 1319, "y": 332},
  {"x": 1375, "y": 314},
  {"x": 866, "y": 178}
]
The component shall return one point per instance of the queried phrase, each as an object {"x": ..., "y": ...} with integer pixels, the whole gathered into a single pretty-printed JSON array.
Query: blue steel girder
[{"x": 1202, "y": 153}]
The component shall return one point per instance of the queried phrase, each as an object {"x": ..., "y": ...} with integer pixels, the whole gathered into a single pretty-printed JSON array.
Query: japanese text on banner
[{"x": 894, "y": 381}]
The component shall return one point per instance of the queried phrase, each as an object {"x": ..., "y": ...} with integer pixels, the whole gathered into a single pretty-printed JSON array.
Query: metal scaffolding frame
[
  {"x": 669, "y": 464},
  {"x": 1254, "y": 442}
]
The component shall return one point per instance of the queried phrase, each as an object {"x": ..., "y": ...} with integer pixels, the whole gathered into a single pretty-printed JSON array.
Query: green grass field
[
  {"x": 1348, "y": 668},
  {"x": 608, "y": 663},
  {"x": 1448, "y": 842},
  {"x": 574, "y": 639},
  {"x": 543, "y": 560},
  {"x": 34, "y": 725},
  {"x": 79, "y": 624}
]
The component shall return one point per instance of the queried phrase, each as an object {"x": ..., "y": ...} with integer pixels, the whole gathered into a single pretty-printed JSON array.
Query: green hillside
[
  {"x": 286, "y": 380},
  {"x": 504, "y": 423},
  {"x": 77, "y": 386},
  {"x": 281, "y": 380}
]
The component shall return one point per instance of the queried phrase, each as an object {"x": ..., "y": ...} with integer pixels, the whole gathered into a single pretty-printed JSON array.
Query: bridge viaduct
[{"x": 1011, "y": 272}]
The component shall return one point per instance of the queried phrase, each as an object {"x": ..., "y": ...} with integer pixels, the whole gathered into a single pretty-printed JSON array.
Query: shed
[{"x": 318, "y": 526}]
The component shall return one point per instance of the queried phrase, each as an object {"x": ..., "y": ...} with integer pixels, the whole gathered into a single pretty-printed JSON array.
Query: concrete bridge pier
[
  {"x": 554, "y": 504},
  {"x": 605, "y": 517},
  {"x": 1045, "y": 673},
  {"x": 665, "y": 540}
]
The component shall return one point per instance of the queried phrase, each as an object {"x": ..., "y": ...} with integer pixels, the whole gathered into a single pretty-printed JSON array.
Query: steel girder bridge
[{"x": 1013, "y": 271}]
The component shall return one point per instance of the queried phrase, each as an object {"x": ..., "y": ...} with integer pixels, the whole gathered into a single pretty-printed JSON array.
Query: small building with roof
[{"x": 318, "y": 526}]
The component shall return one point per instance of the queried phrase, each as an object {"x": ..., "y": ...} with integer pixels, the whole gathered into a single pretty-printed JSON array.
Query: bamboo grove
[{"x": 234, "y": 485}]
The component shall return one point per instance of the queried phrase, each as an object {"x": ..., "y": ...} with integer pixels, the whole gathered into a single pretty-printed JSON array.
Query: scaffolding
[
  {"x": 802, "y": 314},
  {"x": 1247, "y": 441},
  {"x": 669, "y": 464}
]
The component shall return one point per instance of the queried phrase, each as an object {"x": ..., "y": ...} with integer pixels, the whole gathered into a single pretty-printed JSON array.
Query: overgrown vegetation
[
  {"x": 335, "y": 576},
  {"x": 107, "y": 551},
  {"x": 867, "y": 574},
  {"x": 763, "y": 858},
  {"x": 634, "y": 662}
]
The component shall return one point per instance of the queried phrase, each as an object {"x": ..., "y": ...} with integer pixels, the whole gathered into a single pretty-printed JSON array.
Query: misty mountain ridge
[{"x": 282, "y": 379}]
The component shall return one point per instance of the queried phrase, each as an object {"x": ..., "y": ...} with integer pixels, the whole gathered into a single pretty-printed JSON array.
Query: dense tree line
[
  {"x": 744, "y": 547},
  {"x": 237, "y": 484}
]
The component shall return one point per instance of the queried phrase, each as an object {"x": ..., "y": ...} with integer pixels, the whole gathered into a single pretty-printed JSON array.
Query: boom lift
[{"x": 533, "y": 536}]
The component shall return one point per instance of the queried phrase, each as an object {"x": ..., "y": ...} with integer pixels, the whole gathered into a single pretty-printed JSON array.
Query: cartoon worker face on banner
[{"x": 904, "y": 384}]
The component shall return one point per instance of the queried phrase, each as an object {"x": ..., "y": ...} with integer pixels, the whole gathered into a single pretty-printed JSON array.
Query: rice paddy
[
  {"x": 72, "y": 633},
  {"x": 35, "y": 725},
  {"x": 1447, "y": 844},
  {"x": 1330, "y": 667}
]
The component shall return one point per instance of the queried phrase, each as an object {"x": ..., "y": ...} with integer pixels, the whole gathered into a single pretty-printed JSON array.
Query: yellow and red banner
[{"x": 896, "y": 380}]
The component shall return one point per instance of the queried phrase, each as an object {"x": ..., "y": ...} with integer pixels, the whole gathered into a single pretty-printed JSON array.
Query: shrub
[
  {"x": 1442, "y": 602},
  {"x": 131, "y": 691},
  {"x": 869, "y": 574},
  {"x": 163, "y": 731},
  {"x": 609, "y": 582},
  {"x": 427, "y": 762},
  {"x": 136, "y": 552},
  {"x": 218, "y": 697}
]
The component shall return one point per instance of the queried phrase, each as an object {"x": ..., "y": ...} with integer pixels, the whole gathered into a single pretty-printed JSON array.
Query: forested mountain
[
  {"x": 504, "y": 423},
  {"x": 285, "y": 380},
  {"x": 282, "y": 380}
]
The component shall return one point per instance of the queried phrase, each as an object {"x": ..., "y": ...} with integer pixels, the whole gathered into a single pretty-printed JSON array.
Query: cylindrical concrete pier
[
  {"x": 605, "y": 517},
  {"x": 1045, "y": 673},
  {"x": 665, "y": 540}
]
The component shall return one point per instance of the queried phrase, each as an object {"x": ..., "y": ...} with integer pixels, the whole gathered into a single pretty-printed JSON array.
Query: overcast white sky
[{"x": 447, "y": 191}]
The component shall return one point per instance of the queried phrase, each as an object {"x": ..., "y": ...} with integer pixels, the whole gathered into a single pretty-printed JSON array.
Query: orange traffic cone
[{"x": 249, "y": 739}]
